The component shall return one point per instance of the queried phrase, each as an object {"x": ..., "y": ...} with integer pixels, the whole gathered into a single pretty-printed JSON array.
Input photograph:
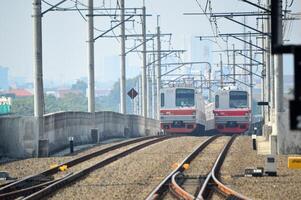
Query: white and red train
[
  {"x": 232, "y": 111},
  {"x": 182, "y": 111}
]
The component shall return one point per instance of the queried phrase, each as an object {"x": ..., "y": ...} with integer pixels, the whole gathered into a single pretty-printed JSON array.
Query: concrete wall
[
  {"x": 288, "y": 141},
  {"x": 17, "y": 136},
  {"x": 18, "y": 133}
]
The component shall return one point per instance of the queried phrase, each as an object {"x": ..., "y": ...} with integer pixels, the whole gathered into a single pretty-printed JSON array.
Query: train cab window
[
  {"x": 216, "y": 101},
  {"x": 162, "y": 100},
  {"x": 238, "y": 99},
  {"x": 184, "y": 97}
]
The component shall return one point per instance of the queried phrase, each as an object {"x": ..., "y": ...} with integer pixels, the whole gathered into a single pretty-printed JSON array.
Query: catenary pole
[
  {"x": 158, "y": 70},
  {"x": 91, "y": 85},
  {"x": 38, "y": 77},
  {"x": 123, "y": 62},
  {"x": 144, "y": 78}
]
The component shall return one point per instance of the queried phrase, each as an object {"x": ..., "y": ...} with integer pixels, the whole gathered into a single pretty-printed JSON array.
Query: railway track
[
  {"x": 42, "y": 184},
  {"x": 173, "y": 182}
]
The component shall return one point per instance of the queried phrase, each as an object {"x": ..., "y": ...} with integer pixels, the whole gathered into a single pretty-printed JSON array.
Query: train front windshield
[
  {"x": 238, "y": 99},
  {"x": 184, "y": 97}
]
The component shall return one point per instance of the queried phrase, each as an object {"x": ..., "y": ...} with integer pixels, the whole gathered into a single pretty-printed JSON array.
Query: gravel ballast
[
  {"x": 285, "y": 186},
  {"x": 134, "y": 176}
]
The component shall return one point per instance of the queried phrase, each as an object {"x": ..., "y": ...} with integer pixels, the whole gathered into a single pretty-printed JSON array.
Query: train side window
[
  {"x": 216, "y": 101},
  {"x": 162, "y": 100}
]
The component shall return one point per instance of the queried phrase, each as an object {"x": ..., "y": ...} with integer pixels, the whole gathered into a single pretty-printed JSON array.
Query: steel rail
[
  {"x": 163, "y": 187},
  {"x": 27, "y": 191},
  {"x": 212, "y": 176},
  {"x": 179, "y": 191},
  {"x": 76, "y": 176},
  {"x": 19, "y": 184}
]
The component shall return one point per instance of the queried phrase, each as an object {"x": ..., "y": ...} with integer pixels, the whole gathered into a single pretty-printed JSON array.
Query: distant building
[
  {"x": 64, "y": 92},
  {"x": 4, "y": 78},
  {"x": 102, "y": 92},
  {"x": 20, "y": 92}
]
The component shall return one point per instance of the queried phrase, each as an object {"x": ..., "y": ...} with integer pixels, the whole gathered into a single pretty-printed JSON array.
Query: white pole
[
  {"x": 123, "y": 64},
  {"x": 158, "y": 70},
  {"x": 38, "y": 75},
  {"x": 144, "y": 78},
  {"x": 91, "y": 85}
]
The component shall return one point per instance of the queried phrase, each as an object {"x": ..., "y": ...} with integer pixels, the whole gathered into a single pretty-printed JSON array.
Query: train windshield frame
[
  {"x": 238, "y": 99},
  {"x": 185, "y": 97}
]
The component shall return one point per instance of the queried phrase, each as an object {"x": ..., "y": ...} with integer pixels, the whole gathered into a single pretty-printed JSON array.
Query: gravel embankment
[
  {"x": 134, "y": 176},
  {"x": 285, "y": 186}
]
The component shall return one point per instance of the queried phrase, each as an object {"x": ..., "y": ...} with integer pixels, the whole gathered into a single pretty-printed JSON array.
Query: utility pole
[
  {"x": 251, "y": 84},
  {"x": 148, "y": 90},
  {"x": 144, "y": 78},
  {"x": 91, "y": 86},
  {"x": 245, "y": 48},
  {"x": 122, "y": 66},
  {"x": 234, "y": 71},
  {"x": 38, "y": 77},
  {"x": 263, "y": 73},
  {"x": 279, "y": 77},
  {"x": 158, "y": 70},
  {"x": 153, "y": 83},
  {"x": 209, "y": 86},
  {"x": 268, "y": 63},
  {"x": 221, "y": 69}
]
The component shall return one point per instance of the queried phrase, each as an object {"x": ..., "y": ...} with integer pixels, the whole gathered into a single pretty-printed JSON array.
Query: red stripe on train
[
  {"x": 231, "y": 112},
  {"x": 178, "y": 112}
]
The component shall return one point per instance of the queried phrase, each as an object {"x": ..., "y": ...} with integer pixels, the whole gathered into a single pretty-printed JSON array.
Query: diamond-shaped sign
[{"x": 132, "y": 93}]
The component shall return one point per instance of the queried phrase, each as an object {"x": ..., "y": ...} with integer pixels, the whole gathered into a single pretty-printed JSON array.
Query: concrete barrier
[
  {"x": 19, "y": 139},
  {"x": 17, "y": 136}
]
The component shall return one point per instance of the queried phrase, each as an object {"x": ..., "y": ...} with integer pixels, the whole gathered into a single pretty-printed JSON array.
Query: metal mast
[
  {"x": 158, "y": 70},
  {"x": 123, "y": 64},
  {"x": 91, "y": 85},
  {"x": 144, "y": 78},
  {"x": 38, "y": 74}
]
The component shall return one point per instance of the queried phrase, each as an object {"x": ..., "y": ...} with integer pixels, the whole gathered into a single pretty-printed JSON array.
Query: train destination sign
[{"x": 132, "y": 93}]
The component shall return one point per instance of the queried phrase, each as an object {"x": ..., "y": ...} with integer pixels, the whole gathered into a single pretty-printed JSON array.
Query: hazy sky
[{"x": 64, "y": 36}]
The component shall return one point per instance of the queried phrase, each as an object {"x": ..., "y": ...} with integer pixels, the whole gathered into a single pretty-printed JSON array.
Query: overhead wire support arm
[
  {"x": 113, "y": 28},
  {"x": 248, "y": 71},
  {"x": 160, "y": 58},
  {"x": 250, "y": 58},
  {"x": 117, "y": 15},
  {"x": 254, "y": 45},
  {"x": 257, "y": 6},
  {"x": 181, "y": 65},
  {"x": 254, "y": 29},
  {"x": 228, "y": 76},
  {"x": 131, "y": 50},
  {"x": 230, "y": 14},
  {"x": 52, "y": 7}
]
